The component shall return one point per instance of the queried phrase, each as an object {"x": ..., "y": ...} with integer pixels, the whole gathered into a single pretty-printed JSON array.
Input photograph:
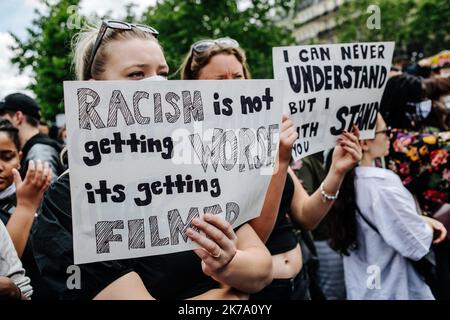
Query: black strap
[{"x": 367, "y": 221}]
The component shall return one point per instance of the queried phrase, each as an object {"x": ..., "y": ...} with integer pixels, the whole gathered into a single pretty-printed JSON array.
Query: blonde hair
[
  {"x": 83, "y": 44},
  {"x": 194, "y": 62}
]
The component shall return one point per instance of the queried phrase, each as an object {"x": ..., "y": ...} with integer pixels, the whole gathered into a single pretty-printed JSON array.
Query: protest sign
[
  {"x": 330, "y": 88},
  {"x": 147, "y": 157}
]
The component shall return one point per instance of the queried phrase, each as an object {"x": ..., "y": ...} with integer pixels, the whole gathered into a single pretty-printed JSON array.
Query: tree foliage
[{"x": 415, "y": 25}]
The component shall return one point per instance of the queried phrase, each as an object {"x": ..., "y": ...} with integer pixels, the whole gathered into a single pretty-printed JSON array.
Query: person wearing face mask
[
  {"x": 226, "y": 257},
  {"x": 438, "y": 90},
  {"x": 286, "y": 199}
]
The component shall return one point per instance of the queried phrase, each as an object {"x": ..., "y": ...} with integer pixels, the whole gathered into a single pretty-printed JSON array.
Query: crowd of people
[{"x": 325, "y": 222}]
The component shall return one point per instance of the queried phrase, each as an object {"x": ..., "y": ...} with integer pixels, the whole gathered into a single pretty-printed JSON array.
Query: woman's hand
[
  {"x": 347, "y": 152},
  {"x": 30, "y": 191},
  {"x": 288, "y": 135},
  {"x": 217, "y": 245},
  {"x": 439, "y": 231}
]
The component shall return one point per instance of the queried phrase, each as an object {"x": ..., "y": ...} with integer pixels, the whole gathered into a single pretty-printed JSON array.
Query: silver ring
[{"x": 217, "y": 255}]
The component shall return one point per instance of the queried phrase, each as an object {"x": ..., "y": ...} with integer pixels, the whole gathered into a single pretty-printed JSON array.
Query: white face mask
[
  {"x": 423, "y": 108},
  {"x": 447, "y": 102},
  {"x": 155, "y": 78}
]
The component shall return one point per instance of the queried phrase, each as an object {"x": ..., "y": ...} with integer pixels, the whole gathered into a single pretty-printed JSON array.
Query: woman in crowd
[
  {"x": 438, "y": 91},
  {"x": 223, "y": 59},
  {"x": 376, "y": 226},
  {"x": 19, "y": 201},
  {"x": 238, "y": 259}
]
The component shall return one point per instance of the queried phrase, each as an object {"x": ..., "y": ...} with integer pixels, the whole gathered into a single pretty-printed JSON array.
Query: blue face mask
[{"x": 155, "y": 78}]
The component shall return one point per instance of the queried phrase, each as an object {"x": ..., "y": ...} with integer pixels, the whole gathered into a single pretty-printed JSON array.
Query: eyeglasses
[
  {"x": 386, "y": 131},
  {"x": 117, "y": 25},
  {"x": 203, "y": 45}
]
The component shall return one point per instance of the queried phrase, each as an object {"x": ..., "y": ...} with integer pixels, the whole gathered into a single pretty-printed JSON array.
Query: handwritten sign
[
  {"x": 330, "y": 88},
  {"x": 146, "y": 158}
]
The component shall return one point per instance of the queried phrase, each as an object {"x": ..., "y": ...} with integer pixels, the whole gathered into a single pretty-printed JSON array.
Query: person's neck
[
  {"x": 366, "y": 161},
  {"x": 26, "y": 134}
]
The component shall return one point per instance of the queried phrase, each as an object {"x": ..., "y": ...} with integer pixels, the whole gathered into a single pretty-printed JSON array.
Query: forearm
[
  {"x": 249, "y": 271},
  {"x": 314, "y": 208},
  {"x": 263, "y": 225},
  {"x": 19, "y": 226}
]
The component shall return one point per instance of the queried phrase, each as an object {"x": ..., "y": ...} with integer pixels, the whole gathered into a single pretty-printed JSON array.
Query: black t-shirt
[
  {"x": 170, "y": 276},
  {"x": 282, "y": 238}
]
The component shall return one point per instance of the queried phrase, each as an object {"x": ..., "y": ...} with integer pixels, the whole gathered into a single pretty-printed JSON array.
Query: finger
[
  {"x": 284, "y": 117},
  {"x": 356, "y": 131},
  {"x": 208, "y": 244},
  {"x": 17, "y": 178},
  {"x": 39, "y": 170},
  {"x": 349, "y": 144},
  {"x": 286, "y": 124},
  {"x": 213, "y": 263},
  {"x": 221, "y": 224},
  {"x": 289, "y": 131},
  {"x": 292, "y": 137},
  {"x": 201, "y": 253},
  {"x": 45, "y": 172},
  {"x": 46, "y": 177},
  {"x": 355, "y": 155},
  {"x": 31, "y": 172},
  {"x": 350, "y": 136},
  {"x": 214, "y": 234},
  {"x": 442, "y": 234}
]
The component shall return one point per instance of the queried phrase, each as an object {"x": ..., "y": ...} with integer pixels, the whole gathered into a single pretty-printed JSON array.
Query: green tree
[
  {"x": 430, "y": 26},
  {"x": 414, "y": 25},
  {"x": 47, "y": 51},
  {"x": 395, "y": 17},
  {"x": 181, "y": 23}
]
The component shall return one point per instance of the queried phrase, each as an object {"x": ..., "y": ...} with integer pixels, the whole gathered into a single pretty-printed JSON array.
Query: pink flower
[
  {"x": 438, "y": 157},
  {"x": 446, "y": 174}
]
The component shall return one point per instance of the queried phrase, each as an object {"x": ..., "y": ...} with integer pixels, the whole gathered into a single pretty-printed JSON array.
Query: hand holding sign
[
  {"x": 347, "y": 152},
  {"x": 218, "y": 245},
  {"x": 288, "y": 135}
]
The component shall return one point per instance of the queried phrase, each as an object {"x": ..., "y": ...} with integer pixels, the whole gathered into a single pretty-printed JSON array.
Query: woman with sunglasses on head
[
  {"x": 121, "y": 51},
  {"x": 375, "y": 224},
  {"x": 222, "y": 59}
]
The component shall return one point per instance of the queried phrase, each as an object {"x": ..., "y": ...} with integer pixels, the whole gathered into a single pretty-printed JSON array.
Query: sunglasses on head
[
  {"x": 117, "y": 25},
  {"x": 203, "y": 45}
]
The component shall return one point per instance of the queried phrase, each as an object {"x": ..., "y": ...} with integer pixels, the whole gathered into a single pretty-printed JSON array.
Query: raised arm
[
  {"x": 29, "y": 193},
  {"x": 310, "y": 210},
  {"x": 263, "y": 225}
]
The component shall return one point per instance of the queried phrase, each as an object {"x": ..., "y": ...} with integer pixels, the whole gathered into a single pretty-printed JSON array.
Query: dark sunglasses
[
  {"x": 203, "y": 45},
  {"x": 386, "y": 131},
  {"x": 117, "y": 25}
]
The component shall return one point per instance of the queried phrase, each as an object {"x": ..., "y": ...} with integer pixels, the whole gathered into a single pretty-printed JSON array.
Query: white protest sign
[
  {"x": 147, "y": 157},
  {"x": 330, "y": 88}
]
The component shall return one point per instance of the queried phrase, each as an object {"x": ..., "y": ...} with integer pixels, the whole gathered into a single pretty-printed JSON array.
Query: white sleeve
[
  {"x": 399, "y": 223},
  {"x": 10, "y": 265}
]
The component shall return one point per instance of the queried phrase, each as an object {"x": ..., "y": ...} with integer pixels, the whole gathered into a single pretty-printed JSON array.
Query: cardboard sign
[
  {"x": 331, "y": 87},
  {"x": 148, "y": 157}
]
